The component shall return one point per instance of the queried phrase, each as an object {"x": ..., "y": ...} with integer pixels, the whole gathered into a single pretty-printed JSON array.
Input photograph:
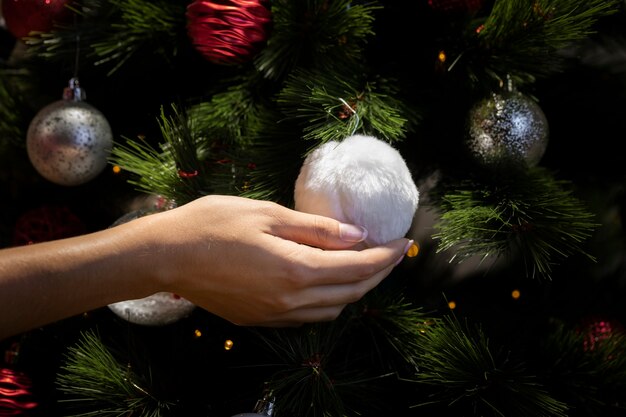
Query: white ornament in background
[
  {"x": 158, "y": 309},
  {"x": 361, "y": 180}
]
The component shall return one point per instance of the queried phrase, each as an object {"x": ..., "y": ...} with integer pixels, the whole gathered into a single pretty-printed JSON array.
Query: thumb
[{"x": 320, "y": 231}]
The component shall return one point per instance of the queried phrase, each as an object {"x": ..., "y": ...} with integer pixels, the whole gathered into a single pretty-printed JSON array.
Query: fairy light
[
  {"x": 197, "y": 333},
  {"x": 413, "y": 250},
  {"x": 441, "y": 57},
  {"x": 451, "y": 305},
  {"x": 515, "y": 294},
  {"x": 116, "y": 169},
  {"x": 228, "y": 344}
]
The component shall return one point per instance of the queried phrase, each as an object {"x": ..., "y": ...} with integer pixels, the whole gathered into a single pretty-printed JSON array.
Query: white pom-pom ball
[{"x": 361, "y": 180}]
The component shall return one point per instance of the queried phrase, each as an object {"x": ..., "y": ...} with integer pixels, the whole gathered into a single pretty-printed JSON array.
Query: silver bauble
[
  {"x": 69, "y": 142},
  {"x": 158, "y": 309},
  {"x": 507, "y": 130}
]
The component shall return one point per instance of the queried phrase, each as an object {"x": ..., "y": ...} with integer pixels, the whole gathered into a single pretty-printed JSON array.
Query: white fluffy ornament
[{"x": 361, "y": 180}]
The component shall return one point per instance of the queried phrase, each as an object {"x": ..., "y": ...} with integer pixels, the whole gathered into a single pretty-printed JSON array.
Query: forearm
[{"x": 50, "y": 281}]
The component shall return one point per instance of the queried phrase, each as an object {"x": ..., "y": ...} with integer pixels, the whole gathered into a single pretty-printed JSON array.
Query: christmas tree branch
[
  {"x": 111, "y": 32},
  {"x": 463, "y": 370},
  {"x": 533, "y": 215},
  {"x": 181, "y": 170},
  {"x": 332, "y": 108},
  {"x": 98, "y": 385},
  {"x": 315, "y": 34},
  {"x": 521, "y": 40}
]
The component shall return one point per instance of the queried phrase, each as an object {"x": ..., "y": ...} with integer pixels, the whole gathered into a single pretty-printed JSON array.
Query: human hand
[{"x": 258, "y": 263}]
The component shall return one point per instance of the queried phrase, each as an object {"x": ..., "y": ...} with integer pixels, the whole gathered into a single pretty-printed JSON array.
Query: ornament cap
[
  {"x": 74, "y": 92},
  {"x": 265, "y": 406}
]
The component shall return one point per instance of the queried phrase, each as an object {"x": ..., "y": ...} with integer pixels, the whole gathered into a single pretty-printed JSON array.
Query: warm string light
[
  {"x": 451, "y": 305},
  {"x": 116, "y": 169},
  {"x": 228, "y": 344},
  {"x": 515, "y": 294},
  {"x": 413, "y": 250}
]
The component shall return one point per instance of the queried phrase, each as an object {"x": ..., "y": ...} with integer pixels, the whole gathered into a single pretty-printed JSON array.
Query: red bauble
[
  {"x": 16, "y": 398},
  {"x": 229, "y": 32},
  {"x": 599, "y": 329},
  {"x": 24, "y": 16},
  {"x": 47, "y": 223},
  {"x": 456, "y": 6}
]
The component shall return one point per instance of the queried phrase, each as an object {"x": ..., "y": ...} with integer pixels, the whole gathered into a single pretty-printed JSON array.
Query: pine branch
[
  {"x": 391, "y": 326},
  {"x": 590, "y": 375},
  {"x": 533, "y": 215},
  {"x": 332, "y": 108},
  {"x": 112, "y": 32},
  {"x": 463, "y": 370},
  {"x": 521, "y": 39},
  {"x": 181, "y": 170},
  {"x": 12, "y": 121},
  {"x": 94, "y": 380},
  {"x": 315, "y": 34}
]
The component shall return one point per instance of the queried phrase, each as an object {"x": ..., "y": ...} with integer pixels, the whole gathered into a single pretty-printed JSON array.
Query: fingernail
[
  {"x": 352, "y": 233},
  {"x": 408, "y": 251}
]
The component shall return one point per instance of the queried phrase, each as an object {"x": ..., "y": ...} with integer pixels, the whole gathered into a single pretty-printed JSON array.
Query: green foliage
[
  {"x": 523, "y": 40},
  {"x": 181, "y": 170},
  {"x": 12, "y": 122},
  {"x": 97, "y": 384},
  {"x": 112, "y": 32},
  {"x": 464, "y": 370},
  {"x": 532, "y": 214},
  {"x": 590, "y": 373},
  {"x": 333, "y": 108},
  {"x": 315, "y": 34}
]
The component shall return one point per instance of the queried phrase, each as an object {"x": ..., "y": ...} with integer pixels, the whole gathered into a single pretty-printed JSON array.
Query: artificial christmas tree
[{"x": 502, "y": 112}]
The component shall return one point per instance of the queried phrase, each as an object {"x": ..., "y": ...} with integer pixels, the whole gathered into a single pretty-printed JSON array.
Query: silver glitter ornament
[
  {"x": 69, "y": 141},
  {"x": 158, "y": 309},
  {"x": 507, "y": 130}
]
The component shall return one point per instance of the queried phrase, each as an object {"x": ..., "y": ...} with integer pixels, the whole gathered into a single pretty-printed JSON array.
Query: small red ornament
[
  {"x": 46, "y": 223},
  {"x": 16, "y": 398},
  {"x": 229, "y": 32},
  {"x": 456, "y": 6},
  {"x": 25, "y": 16},
  {"x": 599, "y": 329}
]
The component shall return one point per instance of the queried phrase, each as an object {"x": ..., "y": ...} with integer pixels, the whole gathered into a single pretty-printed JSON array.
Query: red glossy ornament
[
  {"x": 16, "y": 398},
  {"x": 229, "y": 32},
  {"x": 25, "y": 16},
  {"x": 456, "y": 6}
]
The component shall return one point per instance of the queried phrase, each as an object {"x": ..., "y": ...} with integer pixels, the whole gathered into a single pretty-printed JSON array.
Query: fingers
[
  {"x": 319, "y": 231},
  {"x": 344, "y": 266}
]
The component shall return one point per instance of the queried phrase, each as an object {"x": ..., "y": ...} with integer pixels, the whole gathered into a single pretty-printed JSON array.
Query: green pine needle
[
  {"x": 181, "y": 170},
  {"x": 522, "y": 39},
  {"x": 96, "y": 384},
  {"x": 533, "y": 215},
  {"x": 315, "y": 33},
  {"x": 463, "y": 370},
  {"x": 332, "y": 108},
  {"x": 590, "y": 373}
]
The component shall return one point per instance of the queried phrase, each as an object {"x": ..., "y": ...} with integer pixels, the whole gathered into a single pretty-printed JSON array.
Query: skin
[{"x": 254, "y": 263}]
